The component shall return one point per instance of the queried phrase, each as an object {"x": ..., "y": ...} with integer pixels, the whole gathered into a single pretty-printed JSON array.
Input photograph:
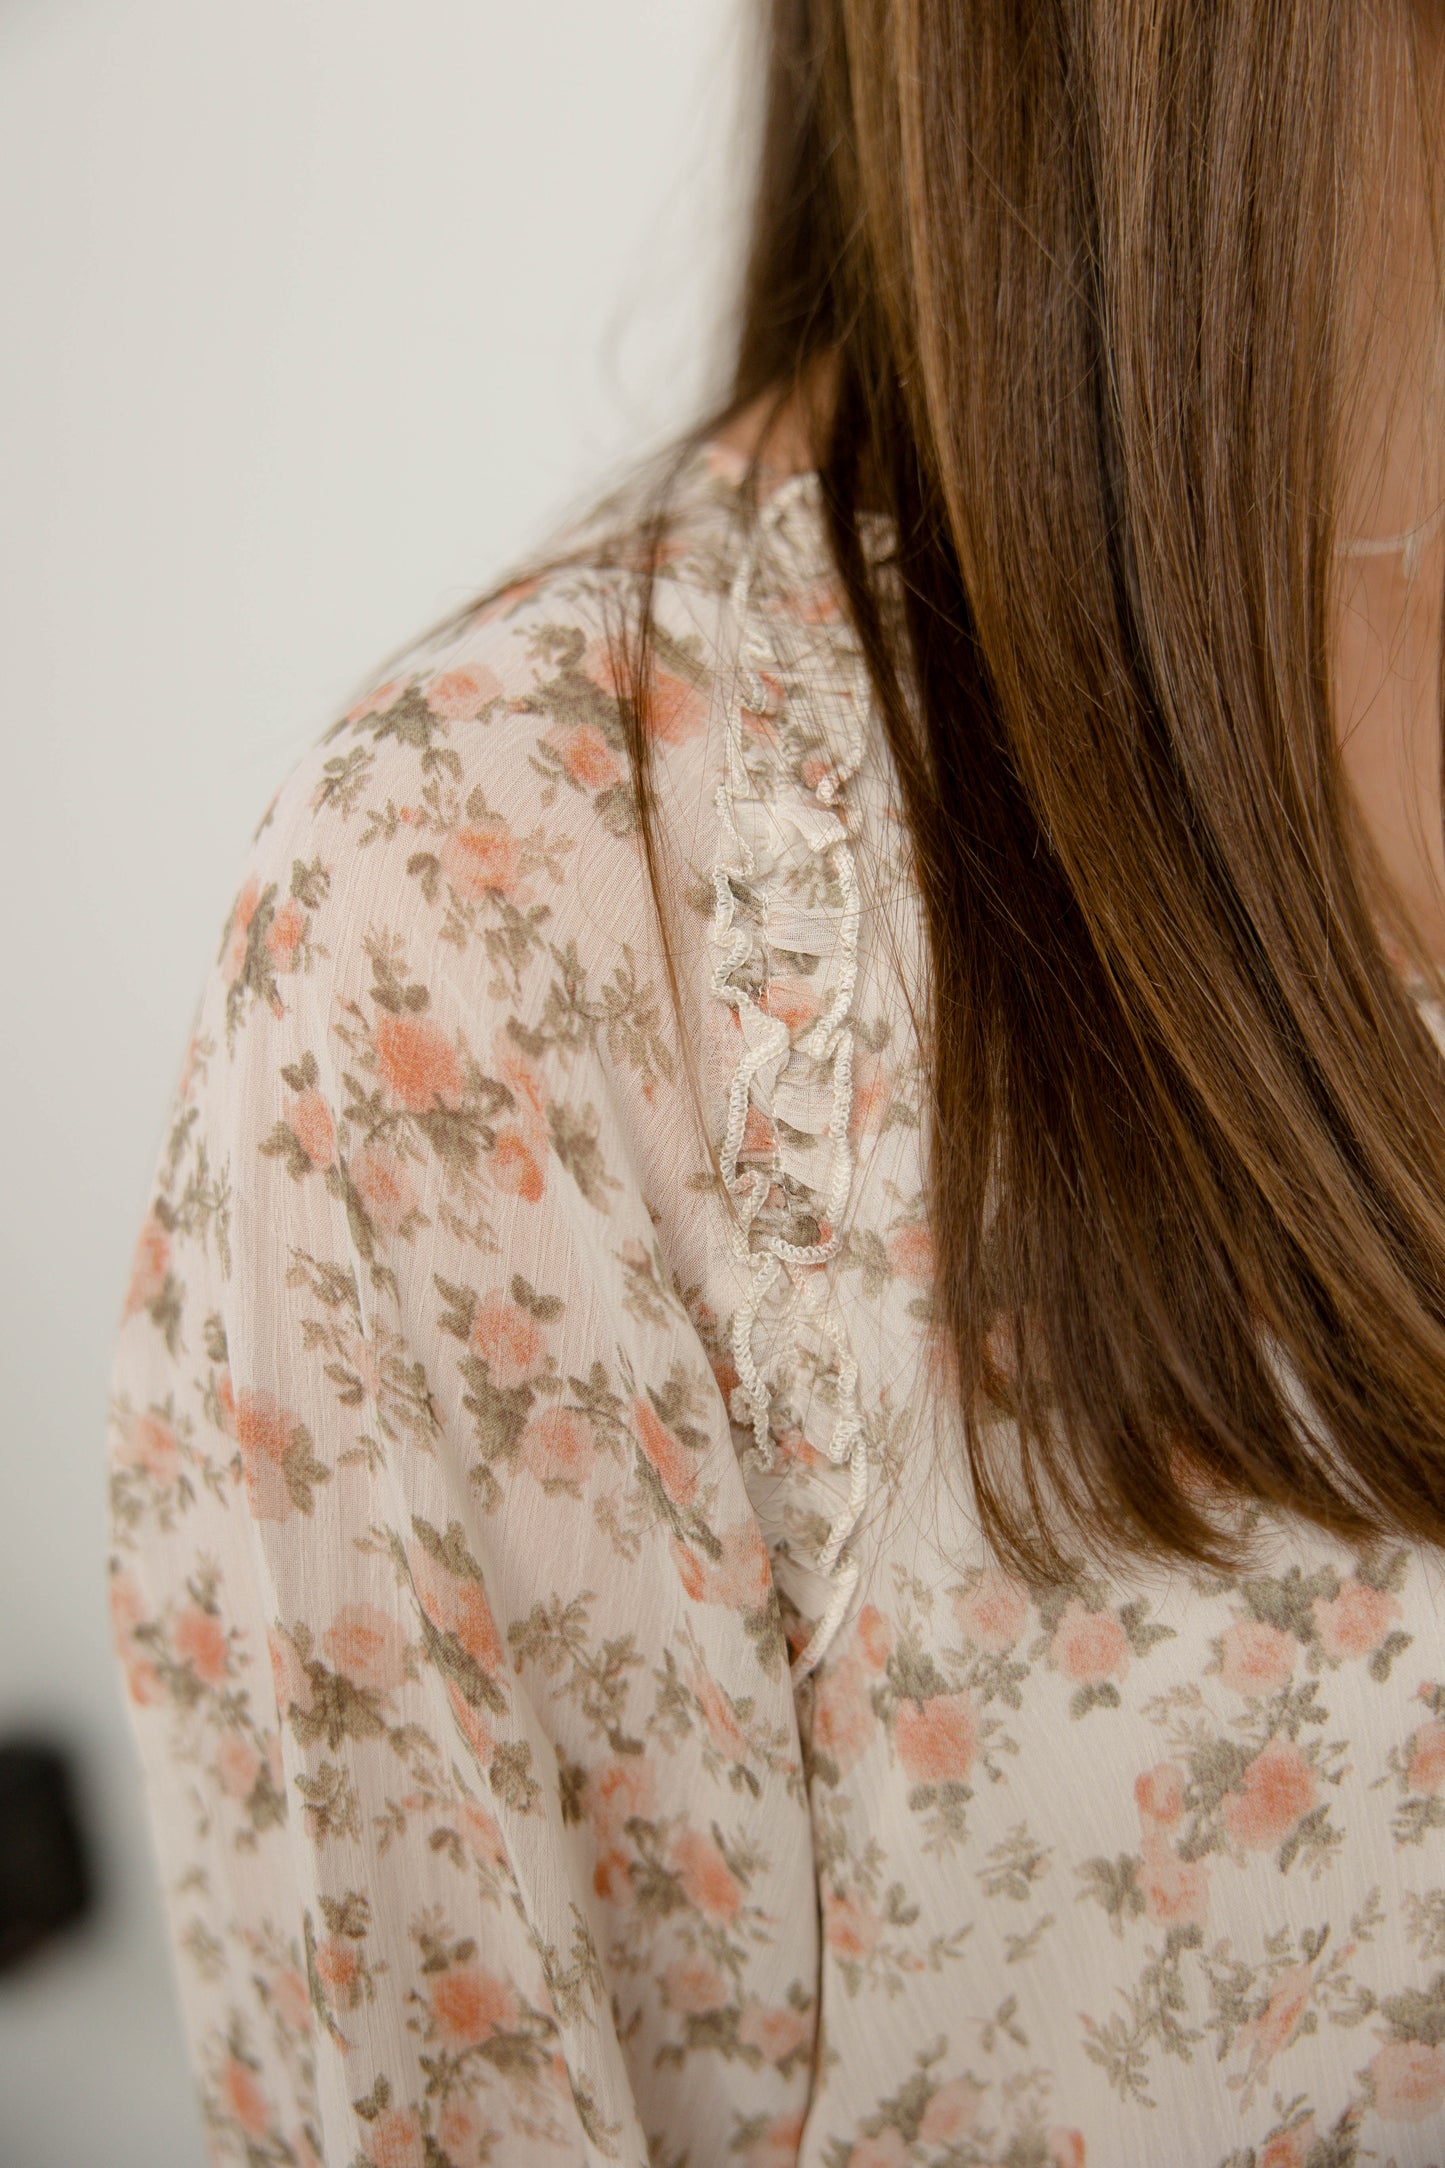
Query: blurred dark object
[{"x": 46, "y": 1883}]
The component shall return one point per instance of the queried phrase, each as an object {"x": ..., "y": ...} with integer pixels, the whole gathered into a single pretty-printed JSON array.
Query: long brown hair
[{"x": 1072, "y": 276}]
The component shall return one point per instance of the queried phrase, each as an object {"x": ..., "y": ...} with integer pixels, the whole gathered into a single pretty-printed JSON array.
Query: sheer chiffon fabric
[{"x": 581, "y": 1720}]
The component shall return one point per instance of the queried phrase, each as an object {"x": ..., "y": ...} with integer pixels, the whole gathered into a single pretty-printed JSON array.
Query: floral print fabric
[{"x": 580, "y": 1719}]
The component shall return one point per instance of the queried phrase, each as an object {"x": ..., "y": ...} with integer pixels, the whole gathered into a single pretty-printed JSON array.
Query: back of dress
[{"x": 582, "y": 1721}]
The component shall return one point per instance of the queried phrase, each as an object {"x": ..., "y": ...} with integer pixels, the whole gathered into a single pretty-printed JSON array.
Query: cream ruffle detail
[{"x": 786, "y": 887}]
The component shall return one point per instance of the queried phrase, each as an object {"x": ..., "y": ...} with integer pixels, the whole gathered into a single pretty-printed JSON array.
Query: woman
[{"x": 779, "y": 1439}]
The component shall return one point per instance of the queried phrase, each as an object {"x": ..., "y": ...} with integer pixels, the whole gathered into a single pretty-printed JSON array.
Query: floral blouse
[{"x": 581, "y": 1721}]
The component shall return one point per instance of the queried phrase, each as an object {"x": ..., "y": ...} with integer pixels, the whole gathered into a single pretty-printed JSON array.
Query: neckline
[
  {"x": 768, "y": 488},
  {"x": 777, "y": 488}
]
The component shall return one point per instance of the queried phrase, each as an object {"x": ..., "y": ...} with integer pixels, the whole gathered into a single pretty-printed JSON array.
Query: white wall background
[{"x": 313, "y": 313}]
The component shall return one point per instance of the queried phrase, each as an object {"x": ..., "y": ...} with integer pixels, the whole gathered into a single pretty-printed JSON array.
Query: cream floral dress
[{"x": 581, "y": 1722}]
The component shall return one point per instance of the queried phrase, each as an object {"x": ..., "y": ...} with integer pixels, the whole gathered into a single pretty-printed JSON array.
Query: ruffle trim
[{"x": 785, "y": 936}]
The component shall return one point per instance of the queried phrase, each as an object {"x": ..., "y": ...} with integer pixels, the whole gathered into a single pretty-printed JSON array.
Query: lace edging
[{"x": 763, "y": 830}]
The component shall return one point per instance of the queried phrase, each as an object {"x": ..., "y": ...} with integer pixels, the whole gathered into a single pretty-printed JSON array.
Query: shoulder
[
  {"x": 477, "y": 801},
  {"x": 447, "y": 907}
]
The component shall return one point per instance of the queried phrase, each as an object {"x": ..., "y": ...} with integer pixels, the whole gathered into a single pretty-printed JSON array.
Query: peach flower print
[
  {"x": 521, "y": 1078},
  {"x": 888, "y": 2150},
  {"x": 482, "y": 860},
  {"x": 1089, "y": 1646},
  {"x": 469, "y": 2005},
  {"x": 126, "y": 1616},
  {"x": 149, "y": 1266},
  {"x": 233, "y": 959},
  {"x": 792, "y": 1442},
  {"x": 482, "y": 1834},
  {"x": 385, "y": 1188},
  {"x": 612, "y": 1877},
  {"x": 1255, "y": 1658},
  {"x": 815, "y": 605},
  {"x": 762, "y": 729},
  {"x": 910, "y": 1252},
  {"x": 338, "y": 1967},
  {"x": 395, "y": 2141},
  {"x": 558, "y": 1447},
  {"x": 704, "y": 1318},
  {"x": 1272, "y": 2031},
  {"x": 743, "y": 1575},
  {"x": 873, "y": 1094},
  {"x": 793, "y": 1001},
  {"x": 226, "y": 1397},
  {"x": 700, "y": 1862},
  {"x": 776, "y": 2144},
  {"x": 1288, "y": 2148},
  {"x": 149, "y": 1443},
  {"x": 616, "y": 1793},
  {"x": 723, "y": 1728},
  {"x": 951, "y": 2113},
  {"x": 294, "y": 2003},
  {"x": 458, "y": 1605},
  {"x": 589, "y": 759},
  {"x": 850, "y": 1928},
  {"x": 700, "y": 1577},
  {"x": 367, "y": 1646},
  {"x": 518, "y": 1159},
  {"x": 467, "y": 2141},
  {"x": 1277, "y": 1790},
  {"x": 516, "y": 1168},
  {"x": 237, "y": 1765},
  {"x": 1176, "y": 1891},
  {"x": 243, "y": 2098},
  {"x": 875, "y": 1637},
  {"x": 695, "y": 1985},
  {"x": 460, "y": 694},
  {"x": 992, "y": 1613},
  {"x": 265, "y": 1432},
  {"x": 1356, "y": 1621},
  {"x": 199, "y": 1639},
  {"x": 288, "y": 1675},
  {"x": 775, "y": 2031},
  {"x": 843, "y": 1719},
  {"x": 311, "y": 1125},
  {"x": 190, "y": 1065},
  {"x": 760, "y": 1138},
  {"x": 704, "y": 1875},
  {"x": 1425, "y": 1771},
  {"x": 1408, "y": 2081},
  {"x": 692, "y": 1572},
  {"x": 676, "y": 710},
  {"x": 937, "y": 1739},
  {"x": 1159, "y": 1795},
  {"x": 418, "y": 1063},
  {"x": 674, "y": 1466},
  {"x": 508, "y": 1338},
  {"x": 468, "y": 1615},
  {"x": 376, "y": 702},
  {"x": 285, "y": 934}
]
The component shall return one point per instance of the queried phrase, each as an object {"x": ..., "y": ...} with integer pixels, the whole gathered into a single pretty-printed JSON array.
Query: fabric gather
[{"x": 785, "y": 934}]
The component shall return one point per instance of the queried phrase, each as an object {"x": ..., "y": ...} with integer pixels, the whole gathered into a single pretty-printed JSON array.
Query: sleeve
[{"x": 447, "y": 1627}]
